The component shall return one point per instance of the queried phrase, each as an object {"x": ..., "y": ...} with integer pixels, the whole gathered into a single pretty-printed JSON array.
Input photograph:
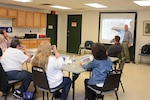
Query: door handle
[{"x": 68, "y": 35}]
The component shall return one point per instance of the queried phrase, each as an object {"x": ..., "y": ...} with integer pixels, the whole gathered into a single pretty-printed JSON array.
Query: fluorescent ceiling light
[
  {"x": 59, "y": 7},
  {"x": 95, "y": 5},
  {"x": 23, "y": 0},
  {"x": 143, "y": 3}
]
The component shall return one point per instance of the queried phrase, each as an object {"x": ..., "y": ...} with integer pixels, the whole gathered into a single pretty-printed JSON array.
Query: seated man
[
  {"x": 116, "y": 48},
  {"x": 12, "y": 61}
]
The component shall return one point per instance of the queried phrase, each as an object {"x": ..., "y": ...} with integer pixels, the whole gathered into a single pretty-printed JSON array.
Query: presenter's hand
[
  {"x": 129, "y": 45},
  {"x": 112, "y": 28}
]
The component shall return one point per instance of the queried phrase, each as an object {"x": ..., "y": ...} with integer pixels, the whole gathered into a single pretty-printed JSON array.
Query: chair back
[
  {"x": 111, "y": 82},
  {"x": 88, "y": 44},
  {"x": 39, "y": 78},
  {"x": 4, "y": 80},
  {"x": 121, "y": 64}
]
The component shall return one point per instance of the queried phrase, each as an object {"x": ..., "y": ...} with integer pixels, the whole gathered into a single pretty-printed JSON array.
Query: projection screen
[{"x": 115, "y": 20}]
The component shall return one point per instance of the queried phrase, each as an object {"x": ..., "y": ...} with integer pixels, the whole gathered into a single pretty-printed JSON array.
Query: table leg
[
  {"x": 140, "y": 59},
  {"x": 74, "y": 77},
  {"x": 26, "y": 66}
]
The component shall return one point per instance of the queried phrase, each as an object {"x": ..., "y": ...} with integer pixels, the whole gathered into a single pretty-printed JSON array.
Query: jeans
[
  {"x": 66, "y": 87},
  {"x": 90, "y": 94},
  {"x": 20, "y": 75}
]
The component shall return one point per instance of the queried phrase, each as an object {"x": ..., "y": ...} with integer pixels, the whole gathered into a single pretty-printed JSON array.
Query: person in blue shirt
[{"x": 101, "y": 65}]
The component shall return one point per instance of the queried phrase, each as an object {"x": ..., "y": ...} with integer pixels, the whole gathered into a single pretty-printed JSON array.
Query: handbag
[{"x": 28, "y": 96}]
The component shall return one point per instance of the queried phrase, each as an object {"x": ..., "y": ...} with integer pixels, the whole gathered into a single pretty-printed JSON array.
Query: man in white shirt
[{"x": 12, "y": 61}]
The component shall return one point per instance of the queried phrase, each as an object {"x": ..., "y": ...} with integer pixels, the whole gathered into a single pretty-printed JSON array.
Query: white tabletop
[{"x": 77, "y": 68}]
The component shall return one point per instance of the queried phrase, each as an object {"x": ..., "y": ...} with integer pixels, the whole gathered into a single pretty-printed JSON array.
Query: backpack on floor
[
  {"x": 145, "y": 49},
  {"x": 28, "y": 95}
]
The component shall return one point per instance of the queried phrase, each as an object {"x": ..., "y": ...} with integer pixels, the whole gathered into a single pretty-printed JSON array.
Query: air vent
[{"x": 80, "y": 9}]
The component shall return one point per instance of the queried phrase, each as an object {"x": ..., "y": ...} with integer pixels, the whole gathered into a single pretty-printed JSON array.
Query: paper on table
[{"x": 86, "y": 59}]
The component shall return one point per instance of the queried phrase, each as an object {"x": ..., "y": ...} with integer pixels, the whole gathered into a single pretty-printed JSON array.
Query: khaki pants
[{"x": 126, "y": 51}]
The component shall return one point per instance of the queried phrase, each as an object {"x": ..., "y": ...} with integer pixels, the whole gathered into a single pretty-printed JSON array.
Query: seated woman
[
  {"x": 52, "y": 65},
  {"x": 100, "y": 66},
  {"x": 4, "y": 40}
]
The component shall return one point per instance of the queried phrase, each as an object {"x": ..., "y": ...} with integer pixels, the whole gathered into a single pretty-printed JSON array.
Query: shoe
[
  {"x": 57, "y": 94},
  {"x": 4, "y": 94},
  {"x": 18, "y": 94},
  {"x": 100, "y": 96},
  {"x": 127, "y": 62}
]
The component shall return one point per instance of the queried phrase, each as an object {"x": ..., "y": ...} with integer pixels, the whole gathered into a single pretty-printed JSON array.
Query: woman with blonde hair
[{"x": 53, "y": 67}]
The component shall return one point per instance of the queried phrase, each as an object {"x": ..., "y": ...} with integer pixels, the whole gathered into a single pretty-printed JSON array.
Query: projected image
[
  {"x": 116, "y": 21},
  {"x": 108, "y": 24}
]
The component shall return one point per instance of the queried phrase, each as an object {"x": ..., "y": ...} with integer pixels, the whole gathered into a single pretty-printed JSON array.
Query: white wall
[
  {"x": 142, "y": 15},
  {"x": 89, "y": 30},
  {"x": 90, "y": 22}
]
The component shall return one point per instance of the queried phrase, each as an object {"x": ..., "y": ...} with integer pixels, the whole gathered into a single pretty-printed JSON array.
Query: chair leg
[
  {"x": 116, "y": 95},
  {"x": 103, "y": 97},
  {"x": 90, "y": 74},
  {"x": 47, "y": 96},
  {"x": 99, "y": 96},
  {"x": 13, "y": 87},
  {"x": 79, "y": 51},
  {"x": 5, "y": 97},
  {"x": 43, "y": 95},
  {"x": 122, "y": 86},
  {"x": 52, "y": 96},
  {"x": 35, "y": 90},
  {"x": 69, "y": 74}
]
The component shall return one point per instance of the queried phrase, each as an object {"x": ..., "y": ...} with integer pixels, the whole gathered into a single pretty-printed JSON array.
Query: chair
[
  {"x": 86, "y": 46},
  {"x": 5, "y": 84},
  {"x": 120, "y": 69},
  {"x": 40, "y": 81},
  {"x": 111, "y": 85}
]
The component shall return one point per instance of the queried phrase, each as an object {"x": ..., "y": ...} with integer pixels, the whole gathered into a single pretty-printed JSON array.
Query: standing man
[{"x": 127, "y": 40}]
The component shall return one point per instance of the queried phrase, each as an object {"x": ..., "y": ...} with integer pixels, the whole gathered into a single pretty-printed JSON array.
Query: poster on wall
[
  {"x": 146, "y": 30},
  {"x": 6, "y": 24},
  {"x": 8, "y": 29},
  {"x": 74, "y": 24}
]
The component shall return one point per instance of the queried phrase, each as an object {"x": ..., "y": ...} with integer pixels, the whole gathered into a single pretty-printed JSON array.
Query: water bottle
[{"x": 73, "y": 60}]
